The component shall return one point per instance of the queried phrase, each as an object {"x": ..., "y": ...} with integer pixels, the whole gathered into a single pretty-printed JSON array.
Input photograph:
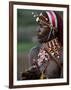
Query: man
[{"x": 46, "y": 59}]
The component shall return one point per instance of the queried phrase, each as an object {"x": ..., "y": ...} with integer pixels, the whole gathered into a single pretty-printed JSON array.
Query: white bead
[
  {"x": 37, "y": 19},
  {"x": 46, "y": 59},
  {"x": 57, "y": 56},
  {"x": 53, "y": 53}
]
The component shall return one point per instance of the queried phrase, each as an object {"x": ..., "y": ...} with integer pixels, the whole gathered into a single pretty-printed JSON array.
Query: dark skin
[
  {"x": 43, "y": 32},
  {"x": 43, "y": 28}
]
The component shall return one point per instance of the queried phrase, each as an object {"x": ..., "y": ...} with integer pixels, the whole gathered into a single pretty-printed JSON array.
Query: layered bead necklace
[{"x": 43, "y": 57}]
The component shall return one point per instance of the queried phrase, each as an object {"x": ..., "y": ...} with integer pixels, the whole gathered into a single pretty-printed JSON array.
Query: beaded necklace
[{"x": 43, "y": 57}]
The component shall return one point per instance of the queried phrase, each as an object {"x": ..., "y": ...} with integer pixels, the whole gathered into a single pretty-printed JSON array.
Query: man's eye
[{"x": 41, "y": 26}]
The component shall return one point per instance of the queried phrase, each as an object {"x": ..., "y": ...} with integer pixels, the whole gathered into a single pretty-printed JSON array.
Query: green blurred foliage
[{"x": 25, "y": 17}]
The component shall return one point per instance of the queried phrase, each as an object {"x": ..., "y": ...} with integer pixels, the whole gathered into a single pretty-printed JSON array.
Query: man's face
[{"x": 43, "y": 31}]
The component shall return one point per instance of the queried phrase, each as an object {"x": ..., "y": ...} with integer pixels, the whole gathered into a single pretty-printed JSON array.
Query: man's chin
[{"x": 42, "y": 40}]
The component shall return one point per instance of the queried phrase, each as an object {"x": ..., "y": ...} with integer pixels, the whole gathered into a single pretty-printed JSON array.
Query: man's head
[{"x": 49, "y": 26}]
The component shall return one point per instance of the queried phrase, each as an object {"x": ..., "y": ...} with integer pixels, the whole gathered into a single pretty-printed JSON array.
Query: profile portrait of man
[{"x": 46, "y": 58}]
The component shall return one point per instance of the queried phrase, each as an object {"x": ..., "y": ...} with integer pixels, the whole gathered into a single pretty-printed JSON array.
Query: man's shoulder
[{"x": 35, "y": 48}]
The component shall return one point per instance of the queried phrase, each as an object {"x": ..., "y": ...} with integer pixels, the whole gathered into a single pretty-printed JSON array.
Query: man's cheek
[{"x": 46, "y": 31}]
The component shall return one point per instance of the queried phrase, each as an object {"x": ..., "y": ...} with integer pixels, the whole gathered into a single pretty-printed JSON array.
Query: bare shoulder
[{"x": 35, "y": 48}]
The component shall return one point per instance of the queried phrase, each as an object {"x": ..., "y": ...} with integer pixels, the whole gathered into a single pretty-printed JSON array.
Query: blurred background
[{"x": 26, "y": 37}]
